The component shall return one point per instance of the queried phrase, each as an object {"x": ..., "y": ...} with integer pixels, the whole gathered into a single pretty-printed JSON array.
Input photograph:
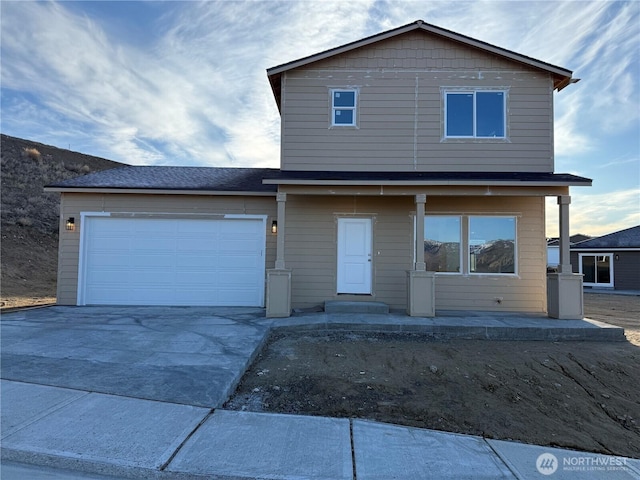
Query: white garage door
[{"x": 153, "y": 261}]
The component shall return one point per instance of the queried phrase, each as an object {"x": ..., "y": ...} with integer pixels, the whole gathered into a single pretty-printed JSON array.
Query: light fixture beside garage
[
  {"x": 71, "y": 224},
  {"x": 274, "y": 226}
]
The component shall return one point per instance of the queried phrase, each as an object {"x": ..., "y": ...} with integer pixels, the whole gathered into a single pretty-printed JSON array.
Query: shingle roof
[
  {"x": 216, "y": 179},
  {"x": 174, "y": 178},
  {"x": 627, "y": 238},
  {"x": 578, "y": 237}
]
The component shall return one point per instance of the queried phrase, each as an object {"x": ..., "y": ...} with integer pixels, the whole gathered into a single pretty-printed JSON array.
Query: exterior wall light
[
  {"x": 274, "y": 226},
  {"x": 71, "y": 224}
]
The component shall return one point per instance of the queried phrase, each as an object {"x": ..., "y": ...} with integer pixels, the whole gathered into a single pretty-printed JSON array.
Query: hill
[{"x": 29, "y": 216}]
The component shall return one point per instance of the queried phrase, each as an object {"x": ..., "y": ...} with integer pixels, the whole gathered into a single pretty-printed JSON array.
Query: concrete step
[{"x": 339, "y": 306}]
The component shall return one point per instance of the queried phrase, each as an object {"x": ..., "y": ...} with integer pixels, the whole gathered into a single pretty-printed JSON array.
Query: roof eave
[
  {"x": 414, "y": 183},
  {"x": 562, "y": 75}
]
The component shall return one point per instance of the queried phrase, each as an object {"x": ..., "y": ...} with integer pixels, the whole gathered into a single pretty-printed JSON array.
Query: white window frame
[
  {"x": 460, "y": 236},
  {"x": 597, "y": 254},
  {"x": 515, "y": 247},
  {"x": 473, "y": 91},
  {"x": 354, "y": 109},
  {"x": 465, "y": 242}
]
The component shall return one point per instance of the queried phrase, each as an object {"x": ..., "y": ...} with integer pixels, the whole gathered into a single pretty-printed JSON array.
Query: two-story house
[{"x": 414, "y": 170}]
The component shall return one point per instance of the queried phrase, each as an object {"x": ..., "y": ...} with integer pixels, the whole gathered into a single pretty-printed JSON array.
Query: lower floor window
[
  {"x": 442, "y": 244},
  {"x": 490, "y": 244}
]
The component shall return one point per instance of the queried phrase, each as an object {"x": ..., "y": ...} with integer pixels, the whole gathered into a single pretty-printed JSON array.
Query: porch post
[
  {"x": 565, "y": 261},
  {"x": 419, "y": 265},
  {"x": 564, "y": 289},
  {"x": 420, "y": 283},
  {"x": 281, "y": 198},
  {"x": 279, "y": 278}
]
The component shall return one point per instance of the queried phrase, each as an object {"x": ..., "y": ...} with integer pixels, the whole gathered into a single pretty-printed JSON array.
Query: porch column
[
  {"x": 279, "y": 278},
  {"x": 420, "y": 283},
  {"x": 565, "y": 261},
  {"x": 419, "y": 265},
  {"x": 564, "y": 289},
  {"x": 281, "y": 198}
]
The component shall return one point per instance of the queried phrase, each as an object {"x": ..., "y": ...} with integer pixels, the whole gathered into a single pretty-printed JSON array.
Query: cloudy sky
[{"x": 184, "y": 83}]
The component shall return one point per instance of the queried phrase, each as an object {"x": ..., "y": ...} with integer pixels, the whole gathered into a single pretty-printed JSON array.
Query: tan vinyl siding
[
  {"x": 311, "y": 251},
  {"x": 400, "y": 111},
  {"x": 311, "y": 245},
  {"x": 73, "y": 204}
]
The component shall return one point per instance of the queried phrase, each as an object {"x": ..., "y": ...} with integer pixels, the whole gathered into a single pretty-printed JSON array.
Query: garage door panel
[
  {"x": 133, "y": 261},
  {"x": 152, "y": 260},
  {"x": 140, "y": 245},
  {"x": 106, "y": 262},
  {"x": 187, "y": 261},
  {"x": 111, "y": 244},
  {"x": 189, "y": 244},
  {"x": 237, "y": 260},
  {"x": 239, "y": 280}
]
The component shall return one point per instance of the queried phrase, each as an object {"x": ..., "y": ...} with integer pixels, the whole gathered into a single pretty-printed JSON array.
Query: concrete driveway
[{"x": 185, "y": 355}]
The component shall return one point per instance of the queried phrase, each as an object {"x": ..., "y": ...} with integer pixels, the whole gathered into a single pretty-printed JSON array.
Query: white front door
[{"x": 354, "y": 255}]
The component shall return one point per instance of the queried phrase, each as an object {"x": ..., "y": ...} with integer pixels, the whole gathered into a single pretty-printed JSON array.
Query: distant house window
[
  {"x": 442, "y": 243},
  {"x": 475, "y": 114},
  {"x": 492, "y": 245},
  {"x": 343, "y": 107},
  {"x": 597, "y": 269}
]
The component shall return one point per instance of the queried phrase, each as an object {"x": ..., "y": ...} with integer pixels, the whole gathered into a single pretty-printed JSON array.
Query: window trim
[
  {"x": 333, "y": 107},
  {"x": 515, "y": 247},
  {"x": 473, "y": 91},
  {"x": 465, "y": 242},
  {"x": 597, "y": 284},
  {"x": 461, "y": 241}
]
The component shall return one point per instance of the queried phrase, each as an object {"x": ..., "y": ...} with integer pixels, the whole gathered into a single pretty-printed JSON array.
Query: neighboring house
[
  {"x": 553, "y": 248},
  {"x": 414, "y": 169},
  {"x": 610, "y": 261}
]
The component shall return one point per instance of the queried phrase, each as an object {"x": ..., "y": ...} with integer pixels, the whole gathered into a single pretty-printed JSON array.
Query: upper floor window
[
  {"x": 343, "y": 107},
  {"x": 475, "y": 114}
]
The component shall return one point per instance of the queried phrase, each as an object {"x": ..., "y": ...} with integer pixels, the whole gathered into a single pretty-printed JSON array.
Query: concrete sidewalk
[
  {"x": 135, "y": 392},
  {"x": 63, "y": 430}
]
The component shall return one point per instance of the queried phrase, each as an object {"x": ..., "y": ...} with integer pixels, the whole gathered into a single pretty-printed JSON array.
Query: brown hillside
[{"x": 29, "y": 216}]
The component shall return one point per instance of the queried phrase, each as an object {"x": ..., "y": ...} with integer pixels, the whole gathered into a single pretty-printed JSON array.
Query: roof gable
[
  {"x": 627, "y": 238},
  {"x": 561, "y": 76}
]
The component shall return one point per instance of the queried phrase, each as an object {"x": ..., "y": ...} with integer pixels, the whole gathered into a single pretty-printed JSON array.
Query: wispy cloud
[
  {"x": 199, "y": 96},
  {"x": 597, "y": 214},
  {"x": 194, "y": 91}
]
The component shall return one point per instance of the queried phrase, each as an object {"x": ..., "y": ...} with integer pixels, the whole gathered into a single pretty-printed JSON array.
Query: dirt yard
[{"x": 578, "y": 395}]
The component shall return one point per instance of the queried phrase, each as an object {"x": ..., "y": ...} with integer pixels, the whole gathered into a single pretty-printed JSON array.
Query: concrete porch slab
[
  {"x": 461, "y": 324},
  {"x": 256, "y": 445},
  {"x": 384, "y": 451}
]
